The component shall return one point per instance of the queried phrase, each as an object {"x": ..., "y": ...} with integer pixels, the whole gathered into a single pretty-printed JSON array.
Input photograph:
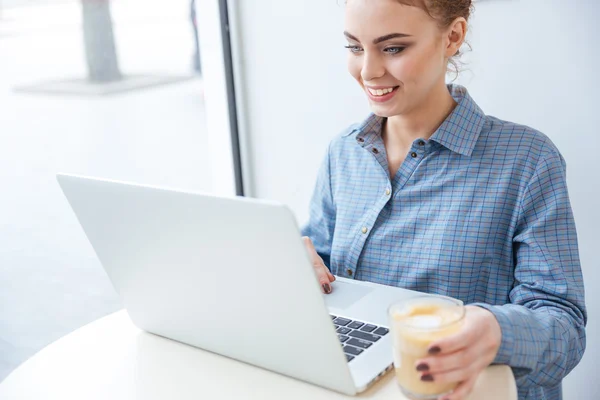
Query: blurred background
[
  {"x": 87, "y": 87},
  {"x": 114, "y": 90}
]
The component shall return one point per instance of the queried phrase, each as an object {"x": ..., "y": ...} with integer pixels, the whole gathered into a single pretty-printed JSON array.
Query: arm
[
  {"x": 321, "y": 224},
  {"x": 543, "y": 329}
]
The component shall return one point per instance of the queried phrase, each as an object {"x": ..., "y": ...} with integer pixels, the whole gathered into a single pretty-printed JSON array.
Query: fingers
[
  {"x": 480, "y": 336},
  {"x": 450, "y": 376},
  {"x": 324, "y": 276},
  {"x": 315, "y": 258},
  {"x": 323, "y": 279},
  {"x": 447, "y": 362},
  {"x": 463, "y": 390},
  {"x": 453, "y": 343},
  {"x": 462, "y": 356},
  {"x": 455, "y": 367},
  {"x": 330, "y": 275}
]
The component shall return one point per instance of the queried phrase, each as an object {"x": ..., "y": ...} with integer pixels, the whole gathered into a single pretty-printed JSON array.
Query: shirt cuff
[{"x": 506, "y": 349}]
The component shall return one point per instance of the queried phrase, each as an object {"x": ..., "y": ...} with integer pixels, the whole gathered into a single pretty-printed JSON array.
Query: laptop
[{"x": 231, "y": 275}]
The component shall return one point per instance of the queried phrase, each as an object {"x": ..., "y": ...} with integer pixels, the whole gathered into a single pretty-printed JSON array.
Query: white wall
[
  {"x": 533, "y": 62},
  {"x": 297, "y": 93}
]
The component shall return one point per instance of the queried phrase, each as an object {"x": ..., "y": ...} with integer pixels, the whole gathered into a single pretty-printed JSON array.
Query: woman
[{"x": 430, "y": 194}]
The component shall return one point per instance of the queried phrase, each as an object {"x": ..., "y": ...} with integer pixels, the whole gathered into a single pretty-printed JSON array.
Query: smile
[{"x": 381, "y": 94}]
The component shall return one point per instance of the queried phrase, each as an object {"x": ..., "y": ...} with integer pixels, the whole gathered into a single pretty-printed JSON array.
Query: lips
[{"x": 381, "y": 94}]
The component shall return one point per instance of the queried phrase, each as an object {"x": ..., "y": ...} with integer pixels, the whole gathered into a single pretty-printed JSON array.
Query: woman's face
[{"x": 397, "y": 53}]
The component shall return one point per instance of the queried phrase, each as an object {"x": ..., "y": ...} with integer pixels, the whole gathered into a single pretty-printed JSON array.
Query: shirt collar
[{"x": 459, "y": 131}]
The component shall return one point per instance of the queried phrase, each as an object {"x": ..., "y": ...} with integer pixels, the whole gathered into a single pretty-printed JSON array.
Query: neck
[{"x": 422, "y": 122}]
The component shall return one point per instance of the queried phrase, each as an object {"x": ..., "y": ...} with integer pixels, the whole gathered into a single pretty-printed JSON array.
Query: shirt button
[
  {"x": 413, "y": 154},
  {"x": 349, "y": 272},
  {"x": 387, "y": 192},
  {"x": 375, "y": 150},
  {"x": 364, "y": 229},
  {"x": 421, "y": 143},
  {"x": 360, "y": 140}
]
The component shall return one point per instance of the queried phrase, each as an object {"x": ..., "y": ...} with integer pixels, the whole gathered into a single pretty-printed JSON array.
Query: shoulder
[{"x": 519, "y": 142}]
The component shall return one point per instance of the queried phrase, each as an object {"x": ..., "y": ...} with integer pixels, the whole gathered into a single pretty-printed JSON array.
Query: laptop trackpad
[{"x": 345, "y": 295}]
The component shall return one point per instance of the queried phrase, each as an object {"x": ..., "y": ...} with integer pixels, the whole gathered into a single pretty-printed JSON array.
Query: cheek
[
  {"x": 412, "y": 68},
  {"x": 404, "y": 68},
  {"x": 431, "y": 62}
]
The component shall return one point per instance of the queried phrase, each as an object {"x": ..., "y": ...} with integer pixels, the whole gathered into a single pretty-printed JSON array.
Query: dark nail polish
[
  {"x": 422, "y": 367},
  {"x": 427, "y": 378},
  {"x": 326, "y": 288},
  {"x": 434, "y": 350}
]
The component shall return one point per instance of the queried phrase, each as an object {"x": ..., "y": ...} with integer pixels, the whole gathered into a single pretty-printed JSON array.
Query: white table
[{"x": 112, "y": 359}]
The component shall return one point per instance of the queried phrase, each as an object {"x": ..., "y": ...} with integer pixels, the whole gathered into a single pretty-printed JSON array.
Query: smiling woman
[
  {"x": 403, "y": 65},
  {"x": 431, "y": 194}
]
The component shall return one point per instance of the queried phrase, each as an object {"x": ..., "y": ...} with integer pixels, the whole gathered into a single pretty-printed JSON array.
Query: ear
[{"x": 456, "y": 34}]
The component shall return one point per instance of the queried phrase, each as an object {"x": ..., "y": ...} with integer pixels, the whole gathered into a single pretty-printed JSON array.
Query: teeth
[{"x": 380, "y": 92}]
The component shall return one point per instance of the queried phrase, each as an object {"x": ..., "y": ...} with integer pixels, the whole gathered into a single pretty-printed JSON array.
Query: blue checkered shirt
[{"x": 480, "y": 212}]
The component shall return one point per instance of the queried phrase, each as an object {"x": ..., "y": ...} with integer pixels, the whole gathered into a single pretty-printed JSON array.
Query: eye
[
  {"x": 394, "y": 50},
  {"x": 354, "y": 49}
]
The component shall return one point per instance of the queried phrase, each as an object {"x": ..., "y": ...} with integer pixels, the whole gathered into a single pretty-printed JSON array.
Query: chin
[{"x": 386, "y": 111}]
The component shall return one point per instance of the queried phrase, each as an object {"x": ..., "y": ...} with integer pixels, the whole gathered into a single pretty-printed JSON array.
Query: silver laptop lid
[{"x": 229, "y": 275}]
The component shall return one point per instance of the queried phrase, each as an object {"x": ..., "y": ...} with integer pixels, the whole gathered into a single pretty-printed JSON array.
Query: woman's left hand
[{"x": 461, "y": 357}]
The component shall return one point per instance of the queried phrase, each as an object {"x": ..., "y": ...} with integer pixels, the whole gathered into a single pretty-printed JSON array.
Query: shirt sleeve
[
  {"x": 543, "y": 329},
  {"x": 321, "y": 223}
]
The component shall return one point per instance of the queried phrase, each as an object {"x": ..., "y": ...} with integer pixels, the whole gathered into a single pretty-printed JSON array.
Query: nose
[{"x": 372, "y": 67}]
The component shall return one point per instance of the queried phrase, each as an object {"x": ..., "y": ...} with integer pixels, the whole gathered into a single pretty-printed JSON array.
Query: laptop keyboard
[{"x": 356, "y": 336}]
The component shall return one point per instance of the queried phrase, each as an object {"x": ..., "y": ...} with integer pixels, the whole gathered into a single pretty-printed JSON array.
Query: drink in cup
[{"x": 415, "y": 324}]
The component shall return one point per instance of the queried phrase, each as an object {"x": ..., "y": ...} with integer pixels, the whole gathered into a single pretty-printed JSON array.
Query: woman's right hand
[{"x": 323, "y": 275}]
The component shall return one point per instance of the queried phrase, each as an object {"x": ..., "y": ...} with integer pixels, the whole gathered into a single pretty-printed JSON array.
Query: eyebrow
[{"x": 379, "y": 39}]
